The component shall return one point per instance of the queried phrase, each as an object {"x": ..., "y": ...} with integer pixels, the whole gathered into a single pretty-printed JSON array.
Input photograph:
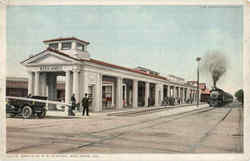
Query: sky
[{"x": 164, "y": 38}]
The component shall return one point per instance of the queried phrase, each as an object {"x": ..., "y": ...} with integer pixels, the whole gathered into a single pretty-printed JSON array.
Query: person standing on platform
[
  {"x": 85, "y": 104},
  {"x": 73, "y": 101}
]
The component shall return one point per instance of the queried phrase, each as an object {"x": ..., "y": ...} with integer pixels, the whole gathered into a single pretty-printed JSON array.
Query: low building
[
  {"x": 204, "y": 91},
  {"x": 108, "y": 85}
]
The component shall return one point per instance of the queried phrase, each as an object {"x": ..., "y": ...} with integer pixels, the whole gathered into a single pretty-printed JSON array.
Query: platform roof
[{"x": 95, "y": 61}]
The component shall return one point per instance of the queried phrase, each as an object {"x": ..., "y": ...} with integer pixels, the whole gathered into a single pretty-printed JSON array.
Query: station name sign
[{"x": 50, "y": 68}]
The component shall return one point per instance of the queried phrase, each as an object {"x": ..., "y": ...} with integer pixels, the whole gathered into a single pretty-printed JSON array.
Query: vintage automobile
[{"x": 26, "y": 108}]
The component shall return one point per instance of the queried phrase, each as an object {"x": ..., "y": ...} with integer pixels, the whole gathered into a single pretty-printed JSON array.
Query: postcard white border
[
  {"x": 114, "y": 157},
  {"x": 2, "y": 75}
]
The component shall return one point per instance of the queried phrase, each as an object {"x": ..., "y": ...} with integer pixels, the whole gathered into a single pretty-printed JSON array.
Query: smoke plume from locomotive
[{"x": 215, "y": 63}]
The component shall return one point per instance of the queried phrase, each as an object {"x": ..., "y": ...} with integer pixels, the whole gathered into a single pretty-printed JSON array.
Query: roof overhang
[{"x": 66, "y": 39}]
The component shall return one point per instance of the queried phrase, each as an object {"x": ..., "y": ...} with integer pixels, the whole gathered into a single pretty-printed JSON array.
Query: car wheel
[
  {"x": 42, "y": 114},
  {"x": 27, "y": 112}
]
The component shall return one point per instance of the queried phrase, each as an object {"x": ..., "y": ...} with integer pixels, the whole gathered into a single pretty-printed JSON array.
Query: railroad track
[
  {"x": 145, "y": 111},
  {"x": 126, "y": 131},
  {"x": 154, "y": 119}
]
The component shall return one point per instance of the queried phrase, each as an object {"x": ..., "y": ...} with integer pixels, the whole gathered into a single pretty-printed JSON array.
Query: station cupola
[{"x": 71, "y": 46}]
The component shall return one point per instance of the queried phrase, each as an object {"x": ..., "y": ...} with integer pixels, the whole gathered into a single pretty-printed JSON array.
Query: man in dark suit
[
  {"x": 85, "y": 104},
  {"x": 73, "y": 105},
  {"x": 73, "y": 101}
]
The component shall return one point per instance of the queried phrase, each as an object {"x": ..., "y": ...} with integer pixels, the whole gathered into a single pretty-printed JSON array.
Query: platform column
[
  {"x": 98, "y": 94},
  {"x": 113, "y": 96},
  {"x": 182, "y": 94},
  {"x": 161, "y": 93},
  {"x": 83, "y": 84},
  {"x": 177, "y": 92},
  {"x": 67, "y": 91},
  {"x": 156, "y": 94},
  {"x": 146, "y": 93},
  {"x": 119, "y": 93},
  {"x": 125, "y": 94},
  {"x": 30, "y": 83},
  {"x": 37, "y": 87},
  {"x": 173, "y": 91},
  {"x": 76, "y": 85},
  {"x": 135, "y": 93},
  {"x": 188, "y": 94},
  {"x": 168, "y": 91}
]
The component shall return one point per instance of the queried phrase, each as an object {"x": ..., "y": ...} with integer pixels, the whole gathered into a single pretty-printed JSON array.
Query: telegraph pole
[{"x": 198, "y": 83}]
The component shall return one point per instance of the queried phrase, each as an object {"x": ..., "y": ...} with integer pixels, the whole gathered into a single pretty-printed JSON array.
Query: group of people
[
  {"x": 175, "y": 100},
  {"x": 190, "y": 100},
  {"x": 85, "y": 104}
]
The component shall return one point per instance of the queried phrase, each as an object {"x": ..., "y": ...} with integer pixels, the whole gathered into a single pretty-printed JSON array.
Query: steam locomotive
[{"x": 218, "y": 97}]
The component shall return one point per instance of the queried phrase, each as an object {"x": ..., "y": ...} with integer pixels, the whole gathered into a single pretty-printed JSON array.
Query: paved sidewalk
[{"x": 117, "y": 112}]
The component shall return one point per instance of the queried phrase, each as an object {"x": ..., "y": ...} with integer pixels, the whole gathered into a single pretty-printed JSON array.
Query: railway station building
[{"x": 109, "y": 85}]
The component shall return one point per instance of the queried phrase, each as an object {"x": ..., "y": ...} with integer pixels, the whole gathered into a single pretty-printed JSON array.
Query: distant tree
[{"x": 240, "y": 95}]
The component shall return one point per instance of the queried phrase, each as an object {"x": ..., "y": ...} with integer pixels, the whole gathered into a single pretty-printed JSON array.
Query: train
[{"x": 218, "y": 98}]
